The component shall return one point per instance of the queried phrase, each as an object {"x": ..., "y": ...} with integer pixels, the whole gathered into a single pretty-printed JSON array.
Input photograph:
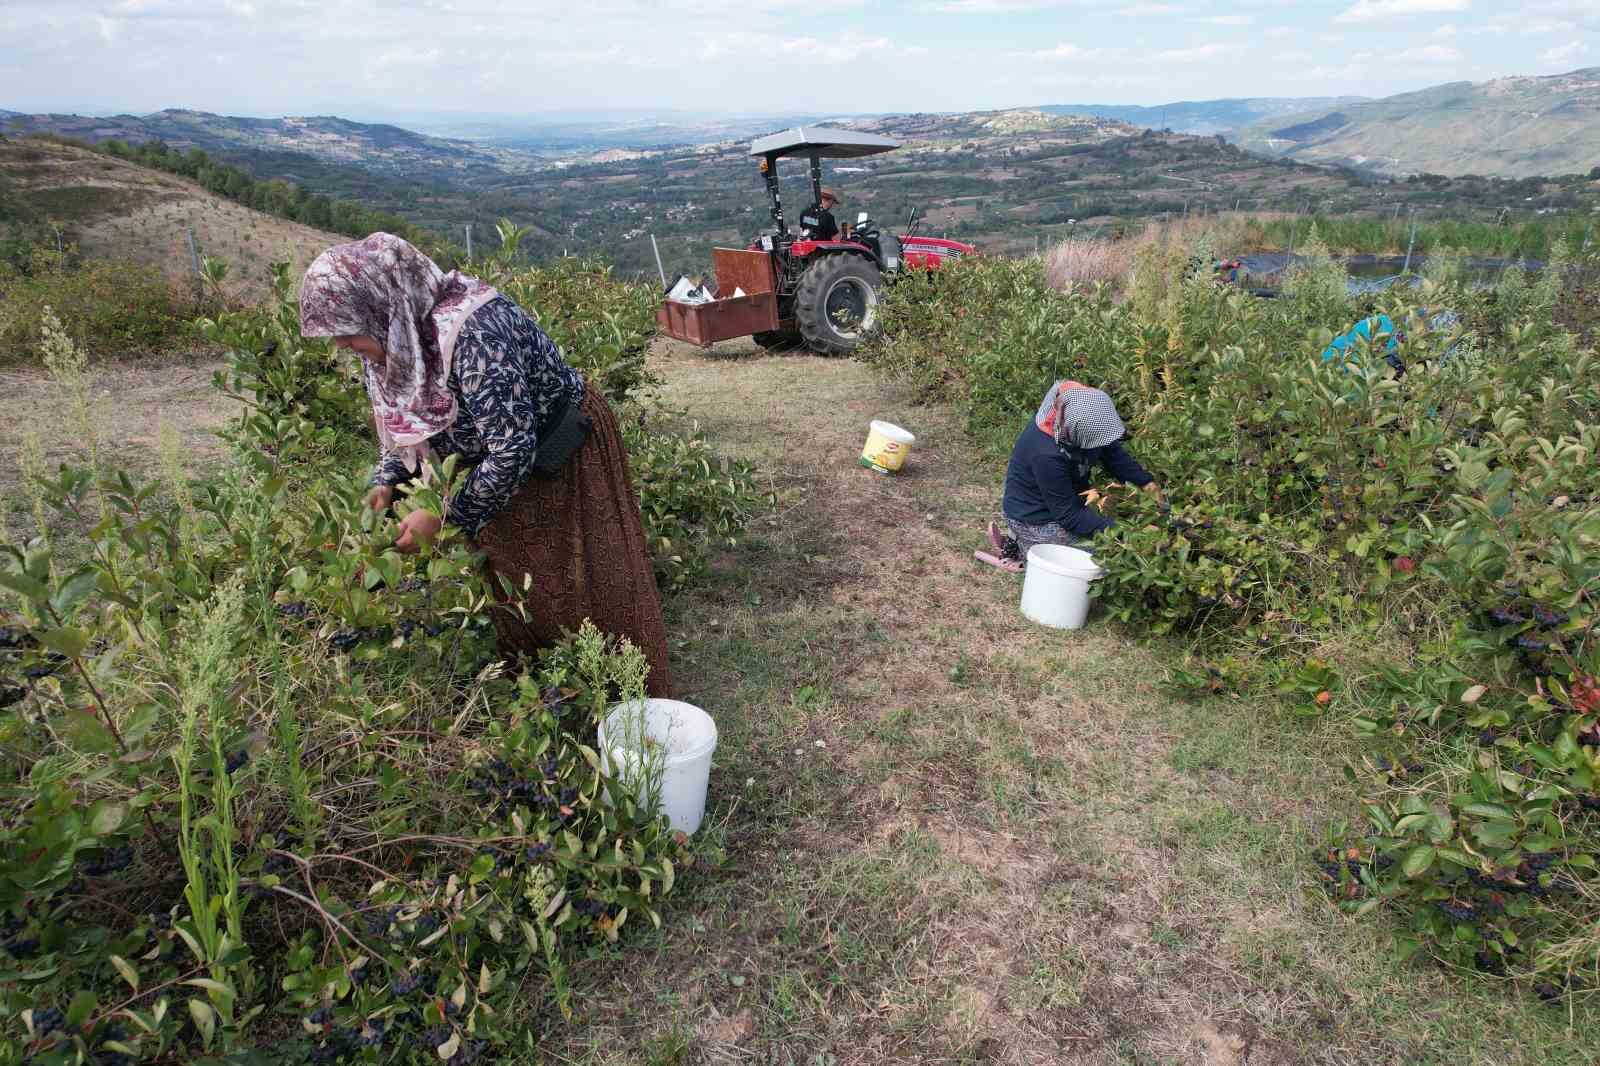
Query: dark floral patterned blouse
[{"x": 507, "y": 377}]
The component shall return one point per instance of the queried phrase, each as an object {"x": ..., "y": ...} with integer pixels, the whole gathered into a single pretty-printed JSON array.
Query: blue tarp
[{"x": 1345, "y": 345}]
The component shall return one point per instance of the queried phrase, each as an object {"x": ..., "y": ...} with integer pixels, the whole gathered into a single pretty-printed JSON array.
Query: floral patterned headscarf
[{"x": 385, "y": 289}]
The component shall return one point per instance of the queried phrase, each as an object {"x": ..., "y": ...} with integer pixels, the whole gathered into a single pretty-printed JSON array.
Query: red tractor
[{"x": 787, "y": 289}]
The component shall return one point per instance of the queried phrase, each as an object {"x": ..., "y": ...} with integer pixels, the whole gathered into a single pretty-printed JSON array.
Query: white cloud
[
  {"x": 1430, "y": 53},
  {"x": 1281, "y": 31},
  {"x": 1062, "y": 51},
  {"x": 1449, "y": 29},
  {"x": 1191, "y": 55},
  {"x": 1563, "y": 53},
  {"x": 1367, "y": 10},
  {"x": 993, "y": 7},
  {"x": 1230, "y": 20},
  {"x": 1136, "y": 11}
]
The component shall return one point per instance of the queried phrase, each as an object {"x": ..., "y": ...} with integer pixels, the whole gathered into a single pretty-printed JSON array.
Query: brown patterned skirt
[{"x": 580, "y": 537}]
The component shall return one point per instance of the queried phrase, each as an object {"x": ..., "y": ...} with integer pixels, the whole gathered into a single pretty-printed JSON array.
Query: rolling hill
[
  {"x": 1509, "y": 127},
  {"x": 381, "y": 148},
  {"x": 1205, "y": 117},
  {"x": 117, "y": 210}
]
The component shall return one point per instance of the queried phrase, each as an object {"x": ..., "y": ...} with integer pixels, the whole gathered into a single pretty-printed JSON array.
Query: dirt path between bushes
[{"x": 938, "y": 833}]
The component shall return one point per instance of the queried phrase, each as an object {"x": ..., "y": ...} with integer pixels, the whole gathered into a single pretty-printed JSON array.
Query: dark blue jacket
[{"x": 1044, "y": 482}]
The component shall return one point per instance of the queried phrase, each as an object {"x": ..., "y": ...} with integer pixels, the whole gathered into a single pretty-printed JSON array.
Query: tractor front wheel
[{"x": 836, "y": 303}]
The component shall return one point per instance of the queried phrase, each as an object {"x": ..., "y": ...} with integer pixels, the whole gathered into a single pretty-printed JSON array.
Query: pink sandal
[{"x": 999, "y": 562}]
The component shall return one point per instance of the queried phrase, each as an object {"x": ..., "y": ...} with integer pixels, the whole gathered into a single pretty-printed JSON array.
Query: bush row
[
  {"x": 114, "y": 309},
  {"x": 1421, "y": 552},
  {"x": 269, "y": 797}
]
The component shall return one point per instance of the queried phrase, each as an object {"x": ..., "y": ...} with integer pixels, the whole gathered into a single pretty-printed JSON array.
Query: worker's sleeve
[
  {"x": 390, "y": 471},
  {"x": 1053, "y": 474},
  {"x": 1122, "y": 466},
  {"x": 494, "y": 397}
]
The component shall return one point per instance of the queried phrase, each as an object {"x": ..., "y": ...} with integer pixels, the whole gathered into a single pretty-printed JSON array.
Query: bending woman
[
  {"x": 454, "y": 368},
  {"x": 1075, "y": 429}
]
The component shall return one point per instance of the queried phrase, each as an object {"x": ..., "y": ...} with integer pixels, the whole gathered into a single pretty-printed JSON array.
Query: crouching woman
[
  {"x": 1052, "y": 466},
  {"x": 454, "y": 368}
]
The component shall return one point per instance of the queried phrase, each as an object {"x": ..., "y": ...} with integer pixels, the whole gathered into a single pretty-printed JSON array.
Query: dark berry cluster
[
  {"x": 51, "y": 666},
  {"x": 378, "y": 922},
  {"x": 15, "y": 639},
  {"x": 237, "y": 760},
  {"x": 294, "y": 610},
  {"x": 405, "y": 984},
  {"x": 338, "y": 1043},
  {"x": 48, "y": 1020},
  {"x": 23, "y": 947},
  {"x": 502, "y": 788},
  {"x": 278, "y": 865},
  {"x": 10, "y": 694},
  {"x": 1458, "y": 912},
  {"x": 109, "y": 861},
  {"x": 1503, "y": 616},
  {"x": 347, "y": 639},
  {"x": 502, "y": 861}
]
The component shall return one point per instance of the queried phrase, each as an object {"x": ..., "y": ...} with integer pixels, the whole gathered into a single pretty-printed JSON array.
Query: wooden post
[
  {"x": 659, "y": 268},
  {"x": 469, "y": 242},
  {"x": 194, "y": 253},
  {"x": 1406, "y": 269}
]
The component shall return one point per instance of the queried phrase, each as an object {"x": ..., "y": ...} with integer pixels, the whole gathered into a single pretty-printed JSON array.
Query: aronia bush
[
  {"x": 1419, "y": 553},
  {"x": 269, "y": 796}
]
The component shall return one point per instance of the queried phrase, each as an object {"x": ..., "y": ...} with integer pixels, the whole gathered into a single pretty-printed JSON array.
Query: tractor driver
[{"x": 818, "y": 224}]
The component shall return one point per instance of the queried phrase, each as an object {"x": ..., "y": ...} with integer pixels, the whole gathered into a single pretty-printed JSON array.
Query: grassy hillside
[
  {"x": 1510, "y": 127},
  {"x": 381, "y": 148},
  {"x": 113, "y": 209},
  {"x": 1205, "y": 117}
]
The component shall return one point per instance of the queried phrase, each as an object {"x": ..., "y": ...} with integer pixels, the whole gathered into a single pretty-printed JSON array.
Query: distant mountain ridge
[
  {"x": 1511, "y": 127},
  {"x": 1205, "y": 117},
  {"x": 376, "y": 146}
]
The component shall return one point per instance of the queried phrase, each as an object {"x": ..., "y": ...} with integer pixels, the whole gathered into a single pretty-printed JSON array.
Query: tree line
[{"x": 274, "y": 196}]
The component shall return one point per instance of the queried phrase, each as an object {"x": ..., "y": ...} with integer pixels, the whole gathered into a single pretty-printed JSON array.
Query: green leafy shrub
[
  {"x": 1418, "y": 553},
  {"x": 112, "y": 309},
  {"x": 271, "y": 797}
]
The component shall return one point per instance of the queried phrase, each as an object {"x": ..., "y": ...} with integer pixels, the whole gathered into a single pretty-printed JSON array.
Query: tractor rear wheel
[
  {"x": 836, "y": 303},
  {"x": 778, "y": 340}
]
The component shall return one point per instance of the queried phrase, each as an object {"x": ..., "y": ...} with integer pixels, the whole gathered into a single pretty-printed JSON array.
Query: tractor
[{"x": 786, "y": 289}]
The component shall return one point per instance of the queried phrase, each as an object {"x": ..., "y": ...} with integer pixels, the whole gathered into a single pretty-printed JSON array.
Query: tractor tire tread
[{"x": 810, "y": 292}]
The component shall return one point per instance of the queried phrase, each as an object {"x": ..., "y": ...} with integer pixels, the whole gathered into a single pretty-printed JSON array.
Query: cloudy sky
[{"x": 379, "y": 59}]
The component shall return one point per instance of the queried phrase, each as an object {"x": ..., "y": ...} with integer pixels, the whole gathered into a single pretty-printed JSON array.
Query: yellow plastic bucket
[{"x": 887, "y": 447}]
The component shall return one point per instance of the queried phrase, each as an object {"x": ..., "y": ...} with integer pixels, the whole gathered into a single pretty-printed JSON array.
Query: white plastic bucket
[
  {"x": 887, "y": 447},
  {"x": 1055, "y": 590},
  {"x": 682, "y": 738}
]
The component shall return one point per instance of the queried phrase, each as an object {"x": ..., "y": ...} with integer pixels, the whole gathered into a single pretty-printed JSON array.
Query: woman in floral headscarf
[
  {"x": 1048, "y": 478},
  {"x": 455, "y": 368}
]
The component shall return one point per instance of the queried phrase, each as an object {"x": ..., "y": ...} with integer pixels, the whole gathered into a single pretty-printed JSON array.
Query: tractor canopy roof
[{"x": 822, "y": 141}]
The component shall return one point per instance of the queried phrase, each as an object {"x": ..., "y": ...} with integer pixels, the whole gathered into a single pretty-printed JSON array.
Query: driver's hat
[{"x": 829, "y": 194}]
